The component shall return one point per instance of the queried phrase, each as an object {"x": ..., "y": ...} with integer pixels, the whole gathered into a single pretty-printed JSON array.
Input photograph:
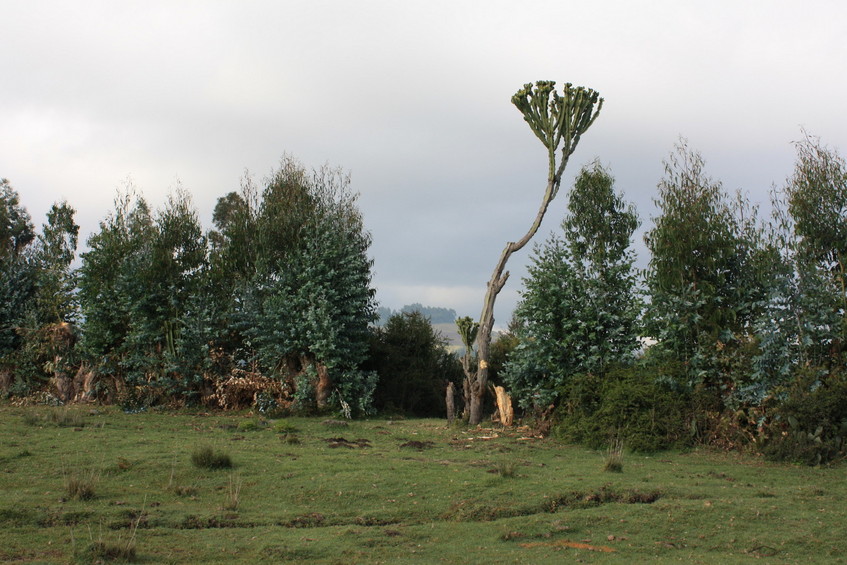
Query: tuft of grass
[
  {"x": 101, "y": 550},
  {"x": 30, "y": 418},
  {"x": 291, "y": 439},
  {"x": 233, "y": 493},
  {"x": 66, "y": 418},
  {"x": 207, "y": 458},
  {"x": 614, "y": 457},
  {"x": 250, "y": 426},
  {"x": 81, "y": 484},
  {"x": 506, "y": 469},
  {"x": 285, "y": 427}
]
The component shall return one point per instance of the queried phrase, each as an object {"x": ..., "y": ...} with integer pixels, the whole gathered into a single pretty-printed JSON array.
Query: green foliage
[
  {"x": 579, "y": 306},
  {"x": 706, "y": 278},
  {"x": 554, "y": 118},
  {"x": 311, "y": 303},
  {"x": 809, "y": 424},
  {"x": 413, "y": 366},
  {"x": 251, "y": 425},
  {"x": 468, "y": 330},
  {"x": 109, "y": 288},
  {"x": 16, "y": 229},
  {"x": 55, "y": 251},
  {"x": 142, "y": 297},
  {"x": 626, "y": 405},
  {"x": 17, "y": 270}
]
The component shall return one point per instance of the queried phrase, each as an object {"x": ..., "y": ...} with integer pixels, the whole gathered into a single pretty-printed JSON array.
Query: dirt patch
[
  {"x": 419, "y": 445},
  {"x": 336, "y": 442}
]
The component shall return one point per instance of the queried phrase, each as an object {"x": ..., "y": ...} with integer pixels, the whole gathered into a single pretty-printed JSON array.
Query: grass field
[{"x": 97, "y": 485}]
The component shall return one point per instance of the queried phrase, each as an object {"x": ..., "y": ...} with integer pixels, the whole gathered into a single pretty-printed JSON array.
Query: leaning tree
[{"x": 557, "y": 120}]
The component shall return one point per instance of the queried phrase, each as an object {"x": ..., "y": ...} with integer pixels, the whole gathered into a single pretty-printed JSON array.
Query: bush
[
  {"x": 810, "y": 425},
  {"x": 413, "y": 364},
  {"x": 207, "y": 458},
  {"x": 628, "y": 404}
]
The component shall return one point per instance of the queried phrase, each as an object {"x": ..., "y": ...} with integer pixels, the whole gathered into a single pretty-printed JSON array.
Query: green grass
[{"x": 354, "y": 495}]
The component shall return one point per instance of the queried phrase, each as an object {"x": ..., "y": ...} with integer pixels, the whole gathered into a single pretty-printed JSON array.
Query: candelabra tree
[{"x": 558, "y": 120}]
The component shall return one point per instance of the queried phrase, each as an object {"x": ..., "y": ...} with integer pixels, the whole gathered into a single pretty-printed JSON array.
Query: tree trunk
[
  {"x": 323, "y": 387},
  {"x": 499, "y": 277},
  {"x": 451, "y": 403},
  {"x": 504, "y": 405}
]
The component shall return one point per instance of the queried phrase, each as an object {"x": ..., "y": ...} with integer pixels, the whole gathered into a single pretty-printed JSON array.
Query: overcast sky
[{"x": 413, "y": 99}]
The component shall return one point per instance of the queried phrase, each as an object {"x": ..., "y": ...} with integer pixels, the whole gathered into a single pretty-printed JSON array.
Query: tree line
[
  {"x": 746, "y": 316},
  {"x": 734, "y": 334},
  {"x": 273, "y": 307}
]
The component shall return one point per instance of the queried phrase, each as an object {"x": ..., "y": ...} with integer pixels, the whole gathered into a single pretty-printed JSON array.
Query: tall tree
[
  {"x": 704, "y": 276},
  {"x": 55, "y": 251},
  {"x": 805, "y": 320},
  {"x": 557, "y": 120},
  {"x": 17, "y": 272},
  {"x": 579, "y": 308},
  {"x": 312, "y": 301},
  {"x": 109, "y": 285}
]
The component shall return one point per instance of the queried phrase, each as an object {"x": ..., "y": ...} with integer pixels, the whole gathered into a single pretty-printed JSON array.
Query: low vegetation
[{"x": 355, "y": 494}]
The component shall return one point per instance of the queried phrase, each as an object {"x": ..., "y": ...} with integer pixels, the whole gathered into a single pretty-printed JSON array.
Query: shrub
[
  {"x": 810, "y": 425},
  {"x": 207, "y": 458},
  {"x": 413, "y": 364},
  {"x": 627, "y": 404}
]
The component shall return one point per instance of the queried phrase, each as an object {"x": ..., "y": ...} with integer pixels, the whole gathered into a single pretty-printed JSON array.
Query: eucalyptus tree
[
  {"x": 55, "y": 251},
  {"x": 579, "y": 307},
  {"x": 108, "y": 282},
  {"x": 309, "y": 309},
  {"x": 705, "y": 274},
  {"x": 805, "y": 324},
  {"x": 17, "y": 275},
  {"x": 558, "y": 121}
]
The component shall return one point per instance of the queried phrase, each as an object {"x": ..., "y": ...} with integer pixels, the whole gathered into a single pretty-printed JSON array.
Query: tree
[
  {"x": 804, "y": 323},
  {"x": 309, "y": 312},
  {"x": 109, "y": 282},
  {"x": 167, "y": 297},
  {"x": 557, "y": 120},
  {"x": 705, "y": 278},
  {"x": 579, "y": 308},
  {"x": 413, "y": 365},
  {"x": 55, "y": 251},
  {"x": 48, "y": 336},
  {"x": 17, "y": 273}
]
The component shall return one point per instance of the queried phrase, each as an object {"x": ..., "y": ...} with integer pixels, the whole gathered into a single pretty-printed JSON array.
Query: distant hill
[{"x": 435, "y": 314}]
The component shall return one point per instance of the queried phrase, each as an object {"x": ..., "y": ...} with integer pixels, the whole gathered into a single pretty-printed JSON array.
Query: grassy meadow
[{"x": 92, "y": 484}]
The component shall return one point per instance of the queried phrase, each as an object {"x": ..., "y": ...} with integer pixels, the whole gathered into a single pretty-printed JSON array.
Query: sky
[{"x": 411, "y": 98}]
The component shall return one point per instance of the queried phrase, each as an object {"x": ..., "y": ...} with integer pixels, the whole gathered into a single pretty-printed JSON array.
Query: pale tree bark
[{"x": 553, "y": 119}]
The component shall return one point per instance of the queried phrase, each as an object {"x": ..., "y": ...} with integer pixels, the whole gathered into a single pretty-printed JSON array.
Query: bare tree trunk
[
  {"x": 553, "y": 120},
  {"x": 495, "y": 285}
]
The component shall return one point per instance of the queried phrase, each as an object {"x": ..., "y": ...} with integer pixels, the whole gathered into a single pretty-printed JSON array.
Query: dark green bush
[
  {"x": 207, "y": 458},
  {"x": 414, "y": 366},
  {"x": 810, "y": 425},
  {"x": 628, "y": 404}
]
